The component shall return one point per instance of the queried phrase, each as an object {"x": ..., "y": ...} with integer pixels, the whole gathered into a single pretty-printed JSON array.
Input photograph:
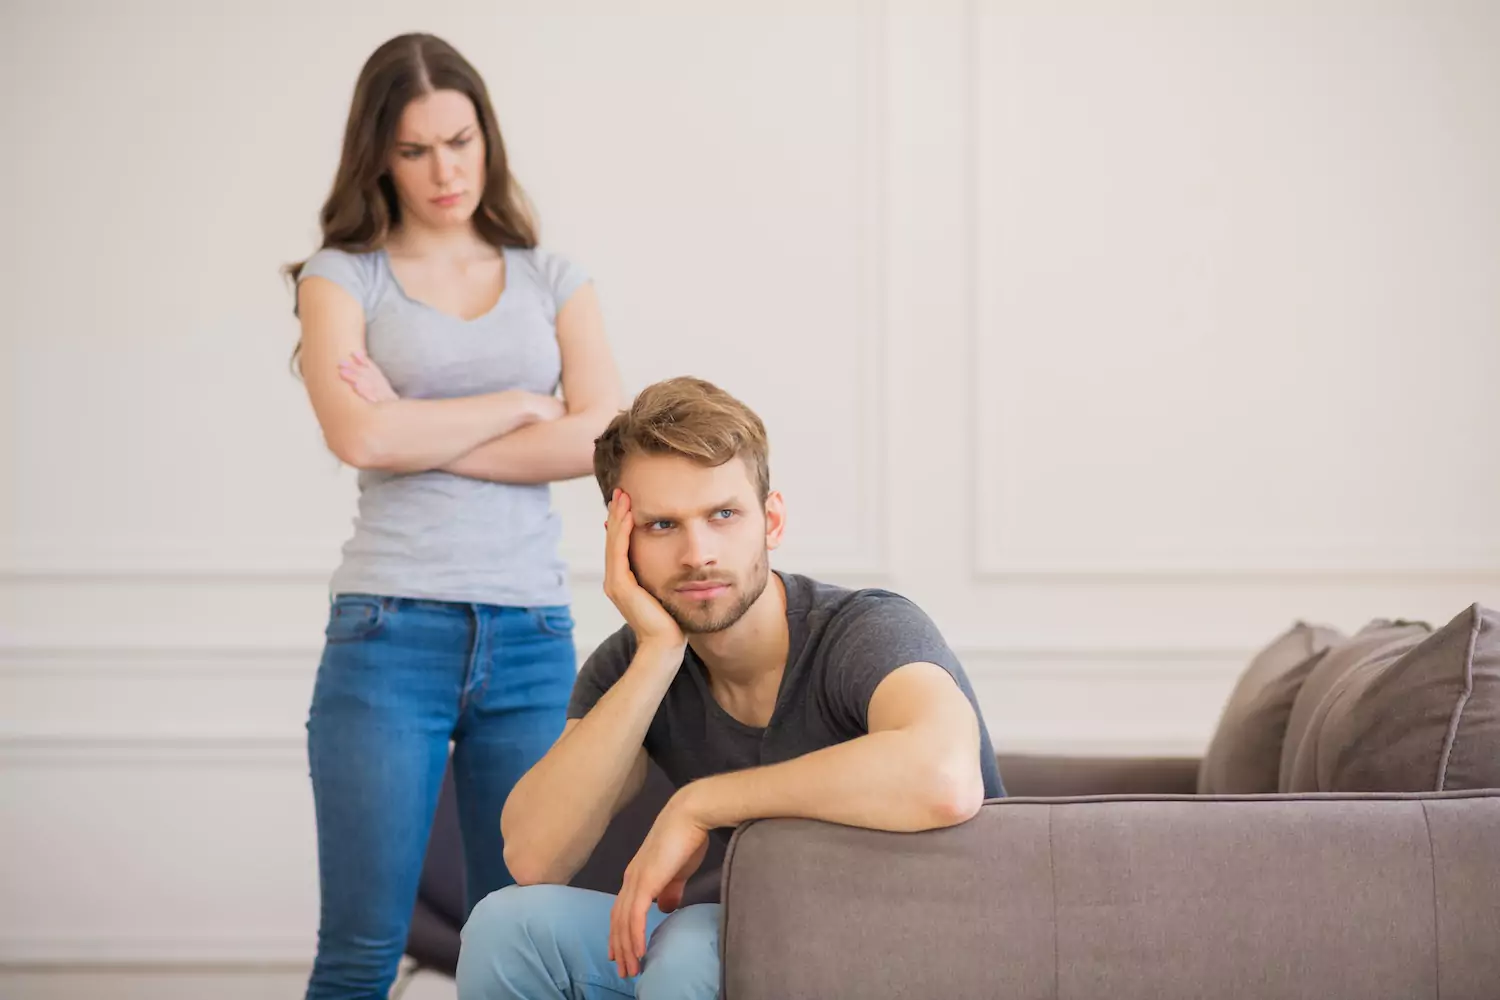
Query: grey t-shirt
[
  {"x": 843, "y": 643},
  {"x": 433, "y": 534}
]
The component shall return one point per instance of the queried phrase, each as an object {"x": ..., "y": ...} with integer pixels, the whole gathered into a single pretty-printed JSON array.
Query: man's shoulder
[{"x": 828, "y": 604}]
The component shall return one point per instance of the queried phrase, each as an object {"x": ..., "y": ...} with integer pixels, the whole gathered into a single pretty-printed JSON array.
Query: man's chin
[{"x": 700, "y": 620}]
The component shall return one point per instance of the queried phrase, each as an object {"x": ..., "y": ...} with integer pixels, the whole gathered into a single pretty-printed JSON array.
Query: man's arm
[
  {"x": 557, "y": 812},
  {"x": 559, "y": 809},
  {"x": 916, "y": 769}
]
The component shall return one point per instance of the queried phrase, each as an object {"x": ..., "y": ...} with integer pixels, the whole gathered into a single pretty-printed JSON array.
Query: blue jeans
[
  {"x": 399, "y": 679},
  {"x": 539, "y": 942}
]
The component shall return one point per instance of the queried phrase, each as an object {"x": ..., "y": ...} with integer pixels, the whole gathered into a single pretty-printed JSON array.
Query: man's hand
[
  {"x": 658, "y": 873},
  {"x": 643, "y": 613}
]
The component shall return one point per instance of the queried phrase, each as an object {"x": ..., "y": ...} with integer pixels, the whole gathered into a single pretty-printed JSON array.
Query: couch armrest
[
  {"x": 1043, "y": 775},
  {"x": 1374, "y": 897}
]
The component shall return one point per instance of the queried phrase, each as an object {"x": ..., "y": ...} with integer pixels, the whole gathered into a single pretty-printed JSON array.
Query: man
[{"x": 759, "y": 694}]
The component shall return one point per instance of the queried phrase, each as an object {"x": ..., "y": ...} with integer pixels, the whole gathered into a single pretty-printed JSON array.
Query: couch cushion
[
  {"x": 1427, "y": 720},
  {"x": 1244, "y": 757},
  {"x": 1382, "y": 640}
]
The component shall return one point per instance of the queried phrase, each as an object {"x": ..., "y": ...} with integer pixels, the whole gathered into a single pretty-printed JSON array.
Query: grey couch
[{"x": 1340, "y": 838}]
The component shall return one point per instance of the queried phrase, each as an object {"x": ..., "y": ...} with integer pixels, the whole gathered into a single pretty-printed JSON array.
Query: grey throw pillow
[
  {"x": 1428, "y": 721},
  {"x": 1244, "y": 757},
  {"x": 1379, "y": 643}
]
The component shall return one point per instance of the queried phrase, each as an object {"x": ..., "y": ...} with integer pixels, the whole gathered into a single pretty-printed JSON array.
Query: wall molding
[
  {"x": 274, "y": 751},
  {"x": 998, "y": 556},
  {"x": 282, "y": 747},
  {"x": 289, "y": 753},
  {"x": 250, "y": 953},
  {"x": 258, "y": 659},
  {"x": 312, "y": 560}
]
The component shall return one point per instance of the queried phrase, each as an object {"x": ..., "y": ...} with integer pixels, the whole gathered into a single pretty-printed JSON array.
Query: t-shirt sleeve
[
  {"x": 873, "y": 635},
  {"x": 561, "y": 275},
  {"x": 599, "y": 672},
  {"x": 344, "y": 269}
]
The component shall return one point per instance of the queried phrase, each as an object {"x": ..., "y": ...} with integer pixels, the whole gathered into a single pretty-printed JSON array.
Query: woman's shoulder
[
  {"x": 356, "y": 272},
  {"x": 559, "y": 274},
  {"x": 364, "y": 263}
]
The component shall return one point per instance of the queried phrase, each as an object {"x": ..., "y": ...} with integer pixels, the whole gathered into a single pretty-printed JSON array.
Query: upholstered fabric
[{"x": 1143, "y": 898}]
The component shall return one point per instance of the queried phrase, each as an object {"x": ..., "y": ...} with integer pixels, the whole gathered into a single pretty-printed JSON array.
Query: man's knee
[
  {"x": 682, "y": 961},
  {"x": 500, "y": 942},
  {"x": 514, "y": 910}
]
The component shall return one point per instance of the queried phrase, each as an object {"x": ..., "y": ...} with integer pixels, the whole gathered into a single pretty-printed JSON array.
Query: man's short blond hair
[{"x": 689, "y": 417}]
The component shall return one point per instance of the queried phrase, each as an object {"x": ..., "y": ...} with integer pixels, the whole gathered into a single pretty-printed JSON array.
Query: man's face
[{"x": 701, "y": 539}]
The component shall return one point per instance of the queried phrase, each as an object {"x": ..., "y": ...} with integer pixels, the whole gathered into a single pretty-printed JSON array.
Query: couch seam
[
  {"x": 1437, "y": 953},
  {"x": 1458, "y": 710},
  {"x": 1247, "y": 799},
  {"x": 1056, "y": 931}
]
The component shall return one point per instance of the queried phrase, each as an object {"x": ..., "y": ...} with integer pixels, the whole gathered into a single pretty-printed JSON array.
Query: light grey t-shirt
[
  {"x": 436, "y": 535},
  {"x": 843, "y": 643}
]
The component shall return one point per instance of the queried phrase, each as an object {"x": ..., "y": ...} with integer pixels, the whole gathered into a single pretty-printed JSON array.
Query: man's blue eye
[{"x": 727, "y": 512}]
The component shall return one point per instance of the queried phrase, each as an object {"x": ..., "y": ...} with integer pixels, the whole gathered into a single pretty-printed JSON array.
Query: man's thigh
[{"x": 542, "y": 941}]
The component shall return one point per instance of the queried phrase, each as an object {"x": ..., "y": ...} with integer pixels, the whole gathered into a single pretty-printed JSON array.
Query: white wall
[{"x": 1118, "y": 338}]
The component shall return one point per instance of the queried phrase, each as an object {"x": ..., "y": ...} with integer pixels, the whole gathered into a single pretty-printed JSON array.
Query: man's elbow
[
  {"x": 529, "y": 867},
  {"x": 957, "y": 793},
  {"x": 527, "y": 857}
]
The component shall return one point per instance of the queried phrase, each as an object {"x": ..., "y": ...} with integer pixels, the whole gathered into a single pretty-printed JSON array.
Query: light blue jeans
[{"x": 540, "y": 942}]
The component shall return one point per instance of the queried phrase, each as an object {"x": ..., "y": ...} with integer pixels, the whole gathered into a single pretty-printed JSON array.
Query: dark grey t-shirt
[{"x": 843, "y": 643}]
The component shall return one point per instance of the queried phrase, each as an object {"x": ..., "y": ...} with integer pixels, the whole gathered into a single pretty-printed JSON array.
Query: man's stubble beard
[{"x": 696, "y": 622}]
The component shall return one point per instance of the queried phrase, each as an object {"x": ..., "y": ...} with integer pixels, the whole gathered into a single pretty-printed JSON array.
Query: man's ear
[{"x": 775, "y": 508}]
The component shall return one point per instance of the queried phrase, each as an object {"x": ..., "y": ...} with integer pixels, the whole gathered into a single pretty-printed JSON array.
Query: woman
[{"x": 434, "y": 336}]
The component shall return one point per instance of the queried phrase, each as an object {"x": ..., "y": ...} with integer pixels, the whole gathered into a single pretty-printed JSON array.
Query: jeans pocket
[
  {"x": 555, "y": 620},
  {"x": 353, "y": 617}
]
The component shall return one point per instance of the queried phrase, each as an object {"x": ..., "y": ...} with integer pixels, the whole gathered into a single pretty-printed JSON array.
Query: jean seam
[{"x": 589, "y": 979}]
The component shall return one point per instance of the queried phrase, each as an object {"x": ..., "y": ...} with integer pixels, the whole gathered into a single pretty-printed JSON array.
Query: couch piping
[
  {"x": 1457, "y": 793},
  {"x": 1463, "y": 701}
]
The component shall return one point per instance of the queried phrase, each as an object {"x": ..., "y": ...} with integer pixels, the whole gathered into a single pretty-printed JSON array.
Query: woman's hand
[
  {"x": 370, "y": 384},
  {"x": 366, "y": 379},
  {"x": 539, "y": 408}
]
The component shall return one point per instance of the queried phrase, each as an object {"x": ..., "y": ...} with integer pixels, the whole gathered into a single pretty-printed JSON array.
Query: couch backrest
[{"x": 1333, "y": 897}]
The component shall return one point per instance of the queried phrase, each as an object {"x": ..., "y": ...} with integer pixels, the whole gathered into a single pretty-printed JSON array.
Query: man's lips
[{"x": 703, "y": 588}]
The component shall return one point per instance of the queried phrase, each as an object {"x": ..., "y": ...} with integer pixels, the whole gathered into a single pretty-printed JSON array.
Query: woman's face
[{"x": 438, "y": 161}]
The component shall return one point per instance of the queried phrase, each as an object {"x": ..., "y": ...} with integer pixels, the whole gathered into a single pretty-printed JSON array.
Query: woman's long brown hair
[{"x": 362, "y": 208}]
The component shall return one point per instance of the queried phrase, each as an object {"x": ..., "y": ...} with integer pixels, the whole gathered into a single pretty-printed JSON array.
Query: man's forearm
[
  {"x": 896, "y": 780},
  {"x": 546, "y": 452},
  {"x": 559, "y": 809}
]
